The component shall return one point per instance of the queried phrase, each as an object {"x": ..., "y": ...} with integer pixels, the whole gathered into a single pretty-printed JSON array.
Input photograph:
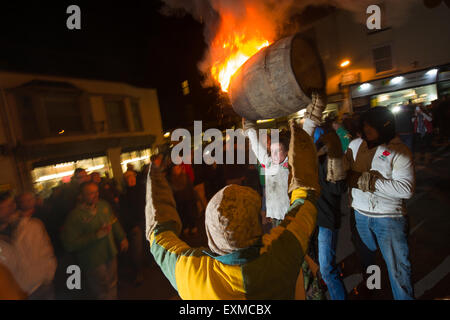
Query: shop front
[
  {"x": 46, "y": 166},
  {"x": 137, "y": 158},
  {"x": 46, "y": 178},
  {"x": 419, "y": 87}
]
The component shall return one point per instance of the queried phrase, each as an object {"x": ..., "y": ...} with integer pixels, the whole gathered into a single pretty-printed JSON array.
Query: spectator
[
  {"x": 132, "y": 213},
  {"x": 333, "y": 186},
  {"x": 29, "y": 205},
  {"x": 92, "y": 231},
  {"x": 423, "y": 129},
  {"x": 381, "y": 179},
  {"x": 95, "y": 177},
  {"x": 185, "y": 198},
  {"x": 343, "y": 134},
  {"x": 404, "y": 125},
  {"x": 26, "y": 250},
  {"x": 130, "y": 168}
]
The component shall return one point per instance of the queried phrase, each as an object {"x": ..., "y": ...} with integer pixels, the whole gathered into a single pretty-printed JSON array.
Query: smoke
[{"x": 271, "y": 18}]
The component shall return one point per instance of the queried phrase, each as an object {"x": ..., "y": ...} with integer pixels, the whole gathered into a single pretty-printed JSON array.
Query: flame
[
  {"x": 235, "y": 42},
  {"x": 236, "y": 51}
]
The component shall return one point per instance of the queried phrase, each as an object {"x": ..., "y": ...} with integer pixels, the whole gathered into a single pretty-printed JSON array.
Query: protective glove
[
  {"x": 333, "y": 143},
  {"x": 352, "y": 178},
  {"x": 302, "y": 160},
  {"x": 315, "y": 108},
  {"x": 366, "y": 182},
  {"x": 335, "y": 164},
  {"x": 248, "y": 124}
]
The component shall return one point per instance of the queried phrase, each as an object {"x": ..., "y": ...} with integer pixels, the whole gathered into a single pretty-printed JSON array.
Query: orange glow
[
  {"x": 345, "y": 63},
  {"x": 236, "y": 52},
  {"x": 234, "y": 43}
]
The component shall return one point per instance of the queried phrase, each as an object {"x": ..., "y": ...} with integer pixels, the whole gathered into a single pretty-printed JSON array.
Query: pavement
[{"x": 429, "y": 243}]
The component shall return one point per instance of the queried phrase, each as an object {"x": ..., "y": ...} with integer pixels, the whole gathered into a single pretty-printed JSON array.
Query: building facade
[
  {"x": 52, "y": 125},
  {"x": 407, "y": 60}
]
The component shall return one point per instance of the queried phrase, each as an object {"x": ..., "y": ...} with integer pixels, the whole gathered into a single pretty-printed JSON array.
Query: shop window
[
  {"x": 48, "y": 177},
  {"x": 423, "y": 94},
  {"x": 137, "y": 159},
  {"x": 382, "y": 57},
  {"x": 117, "y": 117},
  {"x": 136, "y": 113}
]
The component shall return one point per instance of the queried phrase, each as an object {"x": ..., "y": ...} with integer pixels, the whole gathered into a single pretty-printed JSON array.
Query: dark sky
[{"x": 128, "y": 41}]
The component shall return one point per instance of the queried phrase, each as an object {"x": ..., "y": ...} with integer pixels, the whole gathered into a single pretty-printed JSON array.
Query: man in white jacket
[
  {"x": 26, "y": 250},
  {"x": 381, "y": 178}
]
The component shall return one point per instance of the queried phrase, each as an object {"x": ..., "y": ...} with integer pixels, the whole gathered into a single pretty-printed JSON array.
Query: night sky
[{"x": 127, "y": 41}]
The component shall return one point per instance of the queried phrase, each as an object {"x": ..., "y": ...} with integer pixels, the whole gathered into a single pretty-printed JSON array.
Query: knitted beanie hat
[{"x": 232, "y": 219}]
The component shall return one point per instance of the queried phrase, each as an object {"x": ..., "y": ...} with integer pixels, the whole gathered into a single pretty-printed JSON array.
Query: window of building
[
  {"x": 27, "y": 116},
  {"x": 117, "y": 117},
  {"x": 136, "y": 113},
  {"x": 63, "y": 114},
  {"x": 185, "y": 87},
  {"x": 382, "y": 57}
]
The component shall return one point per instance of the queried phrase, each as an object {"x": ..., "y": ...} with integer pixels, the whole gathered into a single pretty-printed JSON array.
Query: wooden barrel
[{"x": 278, "y": 80}]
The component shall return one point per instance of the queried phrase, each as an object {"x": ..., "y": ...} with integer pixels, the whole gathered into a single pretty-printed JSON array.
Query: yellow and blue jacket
[{"x": 267, "y": 270}]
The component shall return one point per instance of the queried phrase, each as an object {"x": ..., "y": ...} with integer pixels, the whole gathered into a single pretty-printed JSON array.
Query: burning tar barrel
[{"x": 278, "y": 80}]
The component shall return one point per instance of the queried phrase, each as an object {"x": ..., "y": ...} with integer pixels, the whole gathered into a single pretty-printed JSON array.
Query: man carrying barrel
[{"x": 241, "y": 263}]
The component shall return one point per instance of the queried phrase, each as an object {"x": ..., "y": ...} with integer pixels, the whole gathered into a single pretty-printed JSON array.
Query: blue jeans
[
  {"x": 327, "y": 241},
  {"x": 391, "y": 235}
]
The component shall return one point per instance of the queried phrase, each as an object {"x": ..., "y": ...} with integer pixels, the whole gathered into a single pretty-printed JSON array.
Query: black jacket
[{"x": 329, "y": 203}]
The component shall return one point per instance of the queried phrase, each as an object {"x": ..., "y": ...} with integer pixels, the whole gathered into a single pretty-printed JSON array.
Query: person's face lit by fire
[
  {"x": 7, "y": 208},
  {"x": 278, "y": 153},
  {"x": 90, "y": 194},
  {"x": 95, "y": 177},
  {"x": 27, "y": 201},
  {"x": 81, "y": 177},
  {"x": 370, "y": 132}
]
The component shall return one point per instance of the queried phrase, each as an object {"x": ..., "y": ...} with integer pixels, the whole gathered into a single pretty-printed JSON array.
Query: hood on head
[{"x": 232, "y": 219}]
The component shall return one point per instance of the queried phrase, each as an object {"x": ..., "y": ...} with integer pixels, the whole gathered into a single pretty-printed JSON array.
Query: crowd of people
[
  {"x": 86, "y": 223},
  {"x": 286, "y": 209}
]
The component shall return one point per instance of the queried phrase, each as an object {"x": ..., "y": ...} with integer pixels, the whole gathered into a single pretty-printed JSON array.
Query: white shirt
[{"x": 29, "y": 256}]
